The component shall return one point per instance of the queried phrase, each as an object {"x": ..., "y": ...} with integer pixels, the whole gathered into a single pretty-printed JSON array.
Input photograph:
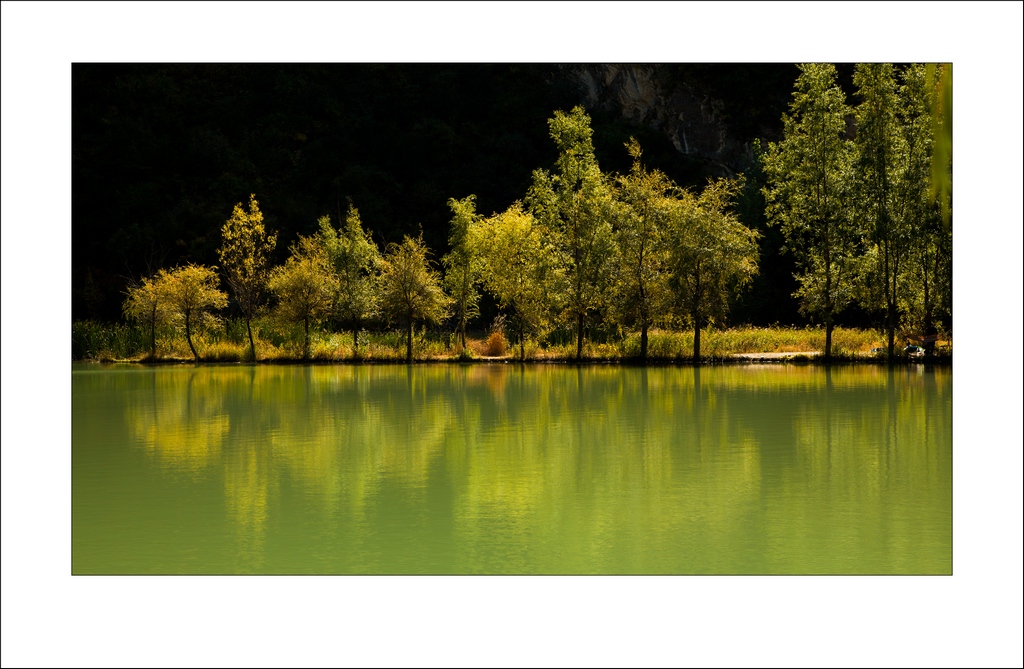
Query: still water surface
[{"x": 505, "y": 469}]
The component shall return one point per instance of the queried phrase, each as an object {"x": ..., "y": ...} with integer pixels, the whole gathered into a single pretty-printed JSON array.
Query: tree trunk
[
  {"x": 891, "y": 326},
  {"x": 643, "y": 341},
  {"x": 829, "y": 325},
  {"x": 697, "y": 291},
  {"x": 889, "y": 296},
  {"x": 305, "y": 341},
  {"x": 188, "y": 338},
  {"x": 252, "y": 344},
  {"x": 408, "y": 342},
  {"x": 152, "y": 335},
  {"x": 522, "y": 341},
  {"x": 355, "y": 339},
  {"x": 579, "y": 337},
  {"x": 696, "y": 340},
  {"x": 929, "y": 324}
]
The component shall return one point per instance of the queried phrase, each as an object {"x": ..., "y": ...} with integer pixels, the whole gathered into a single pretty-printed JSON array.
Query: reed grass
[{"x": 91, "y": 340}]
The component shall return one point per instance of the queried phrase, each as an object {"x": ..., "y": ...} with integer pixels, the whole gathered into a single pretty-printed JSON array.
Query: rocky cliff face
[{"x": 646, "y": 94}]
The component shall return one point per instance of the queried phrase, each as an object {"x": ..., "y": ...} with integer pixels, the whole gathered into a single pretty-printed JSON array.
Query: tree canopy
[
  {"x": 305, "y": 286},
  {"x": 191, "y": 294},
  {"x": 356, "y": 262},
  {"x": 711, "y": 254},
  {"x": 145, "y": 305},
  {"x": 518, "y": 268},
  {"x": 574, "y": 202},
  {"x": 462, "y": 263},
  {"x": 641, "y": 280},
  {"x": 411, "y": 289},
  {"x": 245, "y": 256}
]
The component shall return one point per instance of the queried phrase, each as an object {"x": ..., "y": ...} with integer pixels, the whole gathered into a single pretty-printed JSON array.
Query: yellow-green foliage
[
  {"x": 411, "y": 289},
  {"x": 191, "y": 293},
  {"x": 305, "y": 286},
  {"x": 145, "y": 306},
  {"x": 245, "y": 255},
  {"x": 517, "y": 267}
]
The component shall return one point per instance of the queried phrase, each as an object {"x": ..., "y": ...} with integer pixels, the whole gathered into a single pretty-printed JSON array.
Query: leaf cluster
[
  {"x": 410, "y": 288},
  {"x": 245, "y": 255},
  {"x": 356, "y": 262}
]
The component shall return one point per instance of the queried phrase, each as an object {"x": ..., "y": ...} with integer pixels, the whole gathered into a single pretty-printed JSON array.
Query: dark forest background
[{"x": 162, "y": 152}]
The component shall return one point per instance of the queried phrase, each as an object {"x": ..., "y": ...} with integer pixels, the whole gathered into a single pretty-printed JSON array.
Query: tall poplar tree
[
  {"x": 462, "y": 263},
  {"x": 574, "y": 203},
  {"x": 808, "y": 194},
  {"x": 881, "y": 157},
  {"x": 245, "y": 256},
  {"x": 925, "y": 269}
]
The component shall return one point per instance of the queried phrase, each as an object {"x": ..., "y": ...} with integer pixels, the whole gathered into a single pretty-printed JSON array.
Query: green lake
[{"x": 511, "y": 469}]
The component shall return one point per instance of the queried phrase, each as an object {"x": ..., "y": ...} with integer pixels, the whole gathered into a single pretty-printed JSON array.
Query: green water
[{"x": 504, "y": 469}]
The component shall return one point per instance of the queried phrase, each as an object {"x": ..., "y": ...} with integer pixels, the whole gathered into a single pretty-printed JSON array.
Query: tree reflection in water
[{"x": 555, "y": 469}]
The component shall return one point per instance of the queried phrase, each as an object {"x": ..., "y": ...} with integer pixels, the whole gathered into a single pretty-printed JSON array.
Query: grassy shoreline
[{"x": 740, "y": 345}]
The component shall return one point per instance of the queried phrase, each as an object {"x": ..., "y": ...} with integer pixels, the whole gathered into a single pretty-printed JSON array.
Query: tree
[
  {"x": 711, "y": 254},
  {"x": 926, "y": 277},
  {"x": 191, "y": 293},
  {"x": 574, "y": 203},
  {"x": 517, "y": 267},
  {"x": 410, "y": 288},
  {"x": 808, "y": 195},
  {"x": 145, "y": 306},
  {"x": 880, "y": 158},
  {"x": 462, "y": 264},
  {"x": 641, "y": 282},
  {"x": 305, "y": 286},
  {"x": 356, "y": 262},
  {"x": 245, "y": 256},
  {"x": 940, "y": 76}
]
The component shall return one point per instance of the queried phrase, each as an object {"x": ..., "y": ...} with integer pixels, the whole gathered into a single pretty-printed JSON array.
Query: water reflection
[
  {"x": 546, "y": 469},
  {"x": 182, "y": 426}
]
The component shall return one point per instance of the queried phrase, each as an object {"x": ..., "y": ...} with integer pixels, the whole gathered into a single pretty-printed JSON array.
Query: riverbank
[
  {"x": 276, "y": 345},
  {"x": 772, "y": 358}
]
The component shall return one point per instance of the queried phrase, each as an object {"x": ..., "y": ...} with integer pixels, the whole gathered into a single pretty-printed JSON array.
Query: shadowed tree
[
  {"x": 410, "y": 288},
  {"x": 245, "y": 256},
  {"x": 880, "y": 152},
  {"x": 574, "y": 204},
  {"x": 711, "y": 254},
  {"x": 305, "y": 286},
  {"x": 356, "y": 262},
  {"x": 940, "y": 78},
  {"x": 808, "y": 195},
  {"x": 462, "y": 263},
  {"x": 927, "y": 269},
  {"x": 190, "y": 293},
  {"x": 517, "y": 267}
]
